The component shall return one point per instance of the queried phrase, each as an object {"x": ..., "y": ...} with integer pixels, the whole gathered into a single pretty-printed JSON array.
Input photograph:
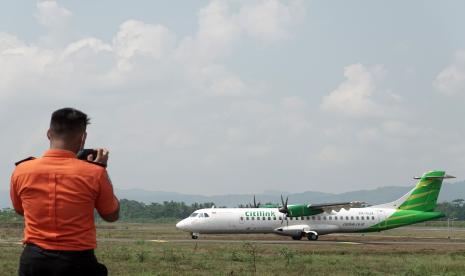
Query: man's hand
[{"x": 102, "y": 156}]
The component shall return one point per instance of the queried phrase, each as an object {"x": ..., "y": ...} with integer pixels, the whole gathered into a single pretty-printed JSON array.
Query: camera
[{"x": 82, "y": 154}]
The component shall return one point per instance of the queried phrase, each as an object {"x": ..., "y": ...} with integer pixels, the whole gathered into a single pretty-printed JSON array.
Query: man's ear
[
  {"x": 83, "y": 139},
  {"x": 49, "y": 134}
]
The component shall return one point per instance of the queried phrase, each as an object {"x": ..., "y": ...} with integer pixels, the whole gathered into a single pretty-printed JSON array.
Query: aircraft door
[{"x": 381, "y": 219}]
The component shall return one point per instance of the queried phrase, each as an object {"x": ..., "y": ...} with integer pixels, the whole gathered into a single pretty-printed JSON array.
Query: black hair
[{"x": 68, "y": 122}]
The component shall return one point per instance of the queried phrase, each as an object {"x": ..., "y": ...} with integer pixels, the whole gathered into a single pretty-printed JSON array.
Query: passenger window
[
  {"x": 302, "y": 218},
  {"x": 313, "y": 217},
  {"x": 319, "y": 218},
  {"x": 373, "y": 218},
  {"x": 347, "y": 217},
  {"x": 291, "y": 218},
  {"x": 274, "y": 218},
  {"x": 330, "y": 218},
  {"x": 356, "y": 217},
  {"x": 253, "y": 218},
  {"x": 296, "y": 218},
  {"x": 324, "y": 217},
  {"x": 341, "y": 218},
  {"x": 280, "y": 218},
  {"x": 247, "y": 218},
  {"x": 258, "y": 218},
  {"x": 263, "y": 218},
  {"x": 352, "y": 218},
  {"x": 308, "y": 218},
  {"x": 335, "y": 217},
  {"x": 363, "y": 218},
  {"x": 269, "y": 218},
  {"x": 242, "y": 218}
]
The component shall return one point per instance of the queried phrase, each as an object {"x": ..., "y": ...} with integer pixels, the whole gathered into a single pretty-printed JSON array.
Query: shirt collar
[{"x": 59, "y": 153}]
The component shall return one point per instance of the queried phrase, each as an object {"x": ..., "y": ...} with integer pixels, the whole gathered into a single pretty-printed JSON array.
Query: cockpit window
[
  {"x": 193, "y": 215},
  {"x": 205, "y": 215}
]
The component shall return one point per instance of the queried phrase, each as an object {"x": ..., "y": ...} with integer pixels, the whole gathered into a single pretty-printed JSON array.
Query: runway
[
  {"x": 320, "y": 242},
  {"x": 359, "y": 242}
]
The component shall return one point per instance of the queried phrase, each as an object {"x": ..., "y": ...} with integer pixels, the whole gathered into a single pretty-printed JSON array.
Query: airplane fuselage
[
  {"x": 270, "y": 220},
  {"x": 312, "y": 220}
]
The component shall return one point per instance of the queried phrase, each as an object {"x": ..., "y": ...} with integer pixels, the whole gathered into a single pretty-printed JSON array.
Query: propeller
[
  {"x": 255, "y": 204},
  {"x": 283, "y": 209}
]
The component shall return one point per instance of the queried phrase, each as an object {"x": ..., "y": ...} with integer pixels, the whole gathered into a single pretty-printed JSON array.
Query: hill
[{"x": 449, "y": 192}]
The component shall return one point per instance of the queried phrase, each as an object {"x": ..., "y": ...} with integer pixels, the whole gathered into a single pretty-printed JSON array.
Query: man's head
[{"x": 68, "y": 129}]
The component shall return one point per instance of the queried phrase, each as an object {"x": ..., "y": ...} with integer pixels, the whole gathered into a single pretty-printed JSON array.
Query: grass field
[{"x": 127, "y": 249}]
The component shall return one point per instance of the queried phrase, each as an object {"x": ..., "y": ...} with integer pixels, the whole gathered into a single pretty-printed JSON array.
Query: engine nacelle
[
  {"x": 292, "y": 230},
  {"x": 302, "y": 210}
]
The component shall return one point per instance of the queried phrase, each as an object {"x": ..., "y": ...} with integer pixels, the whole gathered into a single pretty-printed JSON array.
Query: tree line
[{"x": 135, "y": 211}]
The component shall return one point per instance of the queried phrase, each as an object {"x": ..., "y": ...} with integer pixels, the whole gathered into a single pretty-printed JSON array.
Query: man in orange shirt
[{"x": 57, "y": 194}]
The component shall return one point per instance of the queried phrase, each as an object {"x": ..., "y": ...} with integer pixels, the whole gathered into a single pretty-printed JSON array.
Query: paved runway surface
[
  {"x": 301, "y": 242},
  {"x": 410, "y": 242}
]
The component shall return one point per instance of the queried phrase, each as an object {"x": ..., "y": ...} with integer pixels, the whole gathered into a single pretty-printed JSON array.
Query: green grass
[
  {"x": 126, "y": 250},
  {"x": 138, "y": 258}
]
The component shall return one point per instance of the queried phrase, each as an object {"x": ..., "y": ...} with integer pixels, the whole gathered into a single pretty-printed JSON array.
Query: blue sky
[{"x": 218, "y": 97}]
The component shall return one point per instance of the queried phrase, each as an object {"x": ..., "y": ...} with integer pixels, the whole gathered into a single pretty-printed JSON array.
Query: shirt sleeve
[
  {"x": 107, "y": 202},
  {"x": 14, "y": 195}
]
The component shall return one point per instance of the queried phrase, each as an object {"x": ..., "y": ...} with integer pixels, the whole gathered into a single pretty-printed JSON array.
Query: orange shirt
[{"x": 58, "y": 194}]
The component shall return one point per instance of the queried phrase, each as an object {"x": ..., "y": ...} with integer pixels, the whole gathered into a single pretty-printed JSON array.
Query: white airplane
[{"x": 312, "y": 220}]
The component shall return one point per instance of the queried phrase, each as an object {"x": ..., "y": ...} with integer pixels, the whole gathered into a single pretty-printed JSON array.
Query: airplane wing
[
  {"x": 314, "y": 209},
  {"x": 329, "y": 207}
]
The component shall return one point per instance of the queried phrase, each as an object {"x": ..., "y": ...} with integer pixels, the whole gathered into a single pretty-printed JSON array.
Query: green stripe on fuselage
[{"x": 402, "y": 218}]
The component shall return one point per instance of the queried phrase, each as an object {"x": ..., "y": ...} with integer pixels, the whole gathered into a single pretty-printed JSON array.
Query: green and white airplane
[{"x": 312, "y": 220}]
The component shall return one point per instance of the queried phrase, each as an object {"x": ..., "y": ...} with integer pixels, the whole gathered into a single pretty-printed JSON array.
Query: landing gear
[
  {"x": 195, "y": 236},
  {"x": 312, "y": 237},
  {"x": 297, "y": 237}
]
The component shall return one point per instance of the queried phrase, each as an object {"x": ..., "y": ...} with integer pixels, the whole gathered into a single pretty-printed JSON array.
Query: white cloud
[
  {"x": 9, "y": 41},
  {"x": 270, "y": 21},
  {"x": 50, "y": 15},
  {"x": 222, "y": 25},
  {"x": 355, "y": 96},
  {"x": 170, "y": 101},
  {"x": 136, "y": 38},
  {"x": 451, "y": 80}
]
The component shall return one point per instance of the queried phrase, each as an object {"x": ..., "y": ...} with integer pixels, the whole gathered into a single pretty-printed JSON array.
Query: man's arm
[
  {"x": 15, "y": 198},
  {"x": 107, "y": 204},
  {"x": 111, "y": 217}
]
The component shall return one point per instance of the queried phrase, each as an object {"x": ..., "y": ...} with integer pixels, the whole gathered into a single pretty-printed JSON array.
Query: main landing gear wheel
[
  {"x": 312, "y": 237},
  {"x": 194, "y": 236},
  {"x": 297, "y": 238}
]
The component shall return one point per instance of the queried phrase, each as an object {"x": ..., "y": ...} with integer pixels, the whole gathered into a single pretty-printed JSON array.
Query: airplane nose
[{"x": 181, "y": 225}]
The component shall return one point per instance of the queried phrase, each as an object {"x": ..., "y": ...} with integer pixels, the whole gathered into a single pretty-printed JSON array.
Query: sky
[{"x": 216, "y": 97}]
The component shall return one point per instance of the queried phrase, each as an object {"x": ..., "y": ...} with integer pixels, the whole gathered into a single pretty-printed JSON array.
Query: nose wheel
[{"x": 195, "y": 236}]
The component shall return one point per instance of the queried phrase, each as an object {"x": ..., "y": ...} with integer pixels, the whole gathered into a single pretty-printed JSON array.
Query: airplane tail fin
[{"x": 423, "y": 196}]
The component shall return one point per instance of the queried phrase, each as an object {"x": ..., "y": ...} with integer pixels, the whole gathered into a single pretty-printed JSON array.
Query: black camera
[{"x": 82, "y": 154}]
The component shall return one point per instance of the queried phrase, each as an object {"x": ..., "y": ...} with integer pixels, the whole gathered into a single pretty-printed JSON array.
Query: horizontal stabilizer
[{"x": 434, "y": 177}]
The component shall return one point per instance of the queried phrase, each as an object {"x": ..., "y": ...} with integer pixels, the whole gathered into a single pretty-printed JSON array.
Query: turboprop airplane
[{"x": 312, "y": 220}]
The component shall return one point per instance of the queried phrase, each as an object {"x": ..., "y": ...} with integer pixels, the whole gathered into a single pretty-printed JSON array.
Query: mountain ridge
[{"x": 379, "y": 195}]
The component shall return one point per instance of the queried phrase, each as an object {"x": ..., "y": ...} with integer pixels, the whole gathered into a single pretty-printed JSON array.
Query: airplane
[{"x": 313, "y": 220}]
